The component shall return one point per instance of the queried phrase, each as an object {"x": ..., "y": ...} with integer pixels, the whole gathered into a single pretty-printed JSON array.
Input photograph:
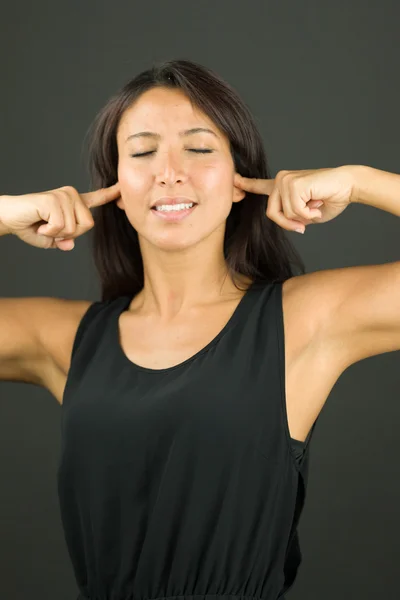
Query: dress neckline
[{"x": 122, "y": 306}]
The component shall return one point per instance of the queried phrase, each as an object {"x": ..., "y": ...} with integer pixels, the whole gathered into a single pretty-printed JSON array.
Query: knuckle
[
  {"x": 67, "y": 188},
  {"x": 54, "y": 198},
  {"x": 85, "y": 227},
  {"x": 281, "y": 174},
  {"x": 69, "y": 230},
  {"x": 304, "y": 212},
  {"x": 89, "y": 223},
  {"x": 87, "y": 219},
  {"x": 56, "y": 227},
  {"x": 81, "y": 229}
]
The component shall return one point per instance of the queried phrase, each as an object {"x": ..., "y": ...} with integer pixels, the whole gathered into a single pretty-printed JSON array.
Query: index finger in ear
[
  {"x": 254, "y": 185},
  {"x": 102, "y": 195}
]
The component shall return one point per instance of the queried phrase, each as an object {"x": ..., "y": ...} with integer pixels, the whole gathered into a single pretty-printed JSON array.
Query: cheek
[
  {"x": 130, "y": 179},
  {"x": 218, "y": 187},
  {"x": 134, "y": 187},
  {"x": 215, "y": 178}
]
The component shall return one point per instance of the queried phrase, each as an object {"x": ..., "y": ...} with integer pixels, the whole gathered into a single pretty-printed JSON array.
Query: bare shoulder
[
  {"x": 305, "y": 307},
  {"x": 309, "y": 301},
  {"x": 310, "y": 306},
  {"x": 333, "y": 319},
  {"x": 352, "y": 310},
  {"x": 313, "y": 363}
]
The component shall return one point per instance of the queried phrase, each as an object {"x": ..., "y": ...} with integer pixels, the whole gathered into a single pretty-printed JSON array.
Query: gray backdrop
[{"x": 323, "y": 81}]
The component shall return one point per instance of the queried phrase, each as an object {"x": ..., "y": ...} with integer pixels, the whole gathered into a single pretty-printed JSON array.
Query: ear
[{"x": 238, "y": 194}]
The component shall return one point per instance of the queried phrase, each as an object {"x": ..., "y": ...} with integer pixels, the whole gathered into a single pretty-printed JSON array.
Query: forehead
[{"x": 161, "y": 108}]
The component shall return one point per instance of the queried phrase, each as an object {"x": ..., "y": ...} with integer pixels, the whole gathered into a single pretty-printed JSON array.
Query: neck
[{"x": 177, "y": 282}]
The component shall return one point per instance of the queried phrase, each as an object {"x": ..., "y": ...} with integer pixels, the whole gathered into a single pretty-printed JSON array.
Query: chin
[{"x": 174, "y": 242}]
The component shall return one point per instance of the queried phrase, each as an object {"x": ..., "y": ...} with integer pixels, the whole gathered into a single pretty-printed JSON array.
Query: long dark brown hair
[{"x": 254, "y": 245}]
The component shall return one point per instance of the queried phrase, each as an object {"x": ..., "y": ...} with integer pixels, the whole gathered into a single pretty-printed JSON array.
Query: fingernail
[{"x": 300, "y": 230}]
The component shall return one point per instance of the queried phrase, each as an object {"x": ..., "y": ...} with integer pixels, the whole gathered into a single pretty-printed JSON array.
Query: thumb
[{"x": 102, "y": 195}]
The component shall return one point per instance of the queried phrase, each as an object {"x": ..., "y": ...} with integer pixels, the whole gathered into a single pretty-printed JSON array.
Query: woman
[{"x": 195, "y": 383}]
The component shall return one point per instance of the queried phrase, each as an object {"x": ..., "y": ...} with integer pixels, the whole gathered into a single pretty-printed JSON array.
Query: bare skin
[
  {"x": 183, "y": 264},
  {"x": 332, "y": 318},
  {"x": 187, "y": 297},
  {"x": 185, "y": 281},
  {"x": 311, "y": 367}
]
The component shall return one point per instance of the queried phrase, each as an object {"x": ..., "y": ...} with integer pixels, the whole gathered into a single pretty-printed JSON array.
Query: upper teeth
[{"x": 173, "y": 206}]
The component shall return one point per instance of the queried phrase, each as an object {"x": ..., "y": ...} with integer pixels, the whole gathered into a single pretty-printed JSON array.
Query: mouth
[{"x": 175, "y": 212}]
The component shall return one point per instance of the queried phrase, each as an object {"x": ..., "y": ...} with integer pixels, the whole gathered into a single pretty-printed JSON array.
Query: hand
[
  {"x": 52, "y": 219},
  {"x": 294, "y": 196}
]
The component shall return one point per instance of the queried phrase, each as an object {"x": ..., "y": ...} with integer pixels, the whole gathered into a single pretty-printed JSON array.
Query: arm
[
  {"x": 364, "y": 317},
  {"x": 357, "y": 309},
  {"x": 377, "y": 188},
  {"x": 3, "y": 229},
  {"x": 23, "y": 356},
  {"x": 361, "y": 317},
  {"x": 36, "y": 339}
]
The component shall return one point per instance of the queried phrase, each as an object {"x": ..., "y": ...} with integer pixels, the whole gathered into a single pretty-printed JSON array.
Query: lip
[{"x": 172, "y": 200}]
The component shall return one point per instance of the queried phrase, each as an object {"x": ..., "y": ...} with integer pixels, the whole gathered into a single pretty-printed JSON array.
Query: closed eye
[{"x": 198, "y": 150}]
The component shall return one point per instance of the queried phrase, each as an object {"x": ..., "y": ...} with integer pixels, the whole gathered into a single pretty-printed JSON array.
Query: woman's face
[{"x": 173, "y": 169}]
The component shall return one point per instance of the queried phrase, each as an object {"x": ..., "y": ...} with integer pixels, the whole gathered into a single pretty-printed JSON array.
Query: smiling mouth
[
  {"x": 167, "y": 208},
  {"x": 174, "y": 214}
]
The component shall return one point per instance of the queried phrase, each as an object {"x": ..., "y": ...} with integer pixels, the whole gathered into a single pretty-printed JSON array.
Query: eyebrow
[{"x": 152, "y": 134}]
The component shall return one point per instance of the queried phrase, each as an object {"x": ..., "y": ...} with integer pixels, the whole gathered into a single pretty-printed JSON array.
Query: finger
[
  {"x": 69, "y": 217},
  {"x": 54, "y": 215},
  {"x": 101, "y": 196},
  {"x": 254, "y": 185},
  {"x": 309, "y": 213},
  {"x": 83, "y": 218},
  {"x": 315, "y": 203},
  {"x": 61, "y": 220},
  {"x": 83, "y": 222},
  {"x": 295, "y": 207},
  {"x": 276, "y": 214},
  {"x": 62, "y": 244}
]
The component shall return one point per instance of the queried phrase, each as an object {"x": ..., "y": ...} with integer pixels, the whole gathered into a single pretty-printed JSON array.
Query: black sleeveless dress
[{"x": 182, "y": 483}]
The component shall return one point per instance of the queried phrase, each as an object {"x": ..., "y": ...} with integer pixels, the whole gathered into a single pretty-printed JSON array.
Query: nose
[{"x": 170, "y": 169}]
